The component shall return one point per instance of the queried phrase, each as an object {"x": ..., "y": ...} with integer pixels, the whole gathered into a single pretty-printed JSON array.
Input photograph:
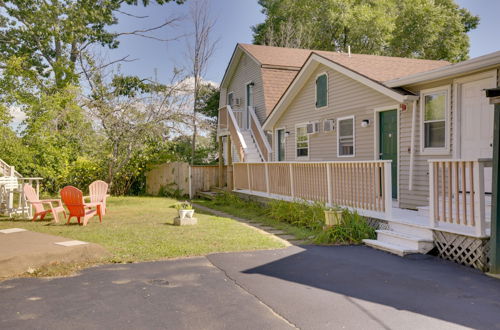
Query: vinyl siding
[
  {"x": 419, "y": 196},
  {"x": 346, "y": 97},
  {"x": 247, "y": 71}
]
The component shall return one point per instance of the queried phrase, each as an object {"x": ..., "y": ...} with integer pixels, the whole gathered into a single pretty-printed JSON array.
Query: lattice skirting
[
  {"x": 465, "y": 250},
  {"x": 377, "y": 223}
]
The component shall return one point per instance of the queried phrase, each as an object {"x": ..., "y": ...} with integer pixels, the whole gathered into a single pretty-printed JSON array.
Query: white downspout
[{"x": 412, "y": 144}]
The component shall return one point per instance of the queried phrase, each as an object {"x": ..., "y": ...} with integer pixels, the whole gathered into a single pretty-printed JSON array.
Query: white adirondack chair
[{"x": 8, "y": 186}]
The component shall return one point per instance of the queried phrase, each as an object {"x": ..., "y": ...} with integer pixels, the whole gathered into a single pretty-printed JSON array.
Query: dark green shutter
[{"x": 321, "y": 91}]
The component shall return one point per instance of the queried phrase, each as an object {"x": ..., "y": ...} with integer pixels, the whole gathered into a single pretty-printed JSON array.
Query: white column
[
  {"x": 388, "y": 189},
  {"x": 479, "y": 199},
  {"x": 292, "y": 188},
  {"x": 432, "y": 216},
  {"x": 267, "y": 178},
  {"x": 329, "y": 184}
]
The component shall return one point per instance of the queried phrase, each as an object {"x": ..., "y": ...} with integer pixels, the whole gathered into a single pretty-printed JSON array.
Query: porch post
[
  {"x": 494, "y": 95},
  {"x": 229, "y": 164},
  {"x": 221, "y": 163},
  {"x": 388, "y": 188}
]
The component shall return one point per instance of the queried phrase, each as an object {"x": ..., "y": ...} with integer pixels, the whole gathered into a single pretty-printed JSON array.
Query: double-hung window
[
  {"x": 345, "y": 137},
  {"x": 321, "y": 90},
  {"x": 302, "y": 141},
  {"x": 434, "y": 106},
  {"x": 230, "y": 99}
]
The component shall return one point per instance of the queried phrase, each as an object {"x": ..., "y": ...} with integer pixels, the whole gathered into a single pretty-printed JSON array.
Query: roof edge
[{"x": 448, "y": 70}]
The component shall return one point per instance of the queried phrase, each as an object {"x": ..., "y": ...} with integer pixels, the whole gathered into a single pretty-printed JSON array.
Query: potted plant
[
  {"x": 333, "y": 216},
  {"x": 185, "y": 210}
]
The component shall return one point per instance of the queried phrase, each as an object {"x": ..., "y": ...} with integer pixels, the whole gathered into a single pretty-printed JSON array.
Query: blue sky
[{"x": 233, "y": 21}]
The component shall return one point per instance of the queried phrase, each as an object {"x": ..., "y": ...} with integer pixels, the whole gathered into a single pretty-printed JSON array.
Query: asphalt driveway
[{"x": 307, "y": 287}]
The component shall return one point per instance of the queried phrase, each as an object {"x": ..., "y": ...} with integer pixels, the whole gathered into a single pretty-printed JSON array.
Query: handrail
[
  {"x": 457, "y": 195},
  {"x": 235, "y": 131},
  {"x": 4, "y": 166},
  {"x": 259, "y": 135}
]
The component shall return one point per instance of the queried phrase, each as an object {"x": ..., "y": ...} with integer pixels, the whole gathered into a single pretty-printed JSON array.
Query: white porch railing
[
  {"x": 228, "y": 122},
  {"x": 363, "y": 185},
  {"x": 259, "y": 135},
  {"x": 457, "y": 197}
]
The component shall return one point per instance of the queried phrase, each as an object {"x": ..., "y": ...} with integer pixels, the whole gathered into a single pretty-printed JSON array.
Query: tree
[
  {"x": 200, "y": 49},
  {"x": 430, "y": 29}
]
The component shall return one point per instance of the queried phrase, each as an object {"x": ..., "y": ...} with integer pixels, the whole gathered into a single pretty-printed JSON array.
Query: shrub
[
  {"x": 170, "y": 190},
  {"x": 352, "y": 230},
  {"x": 298, "y": 213},
  {"x": 229, "y": 199}
]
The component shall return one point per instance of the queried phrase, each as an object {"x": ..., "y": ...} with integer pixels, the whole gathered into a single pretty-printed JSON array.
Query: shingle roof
[
  {"x": 280, "y": 66},
  {"x": 378, "y": 68}
]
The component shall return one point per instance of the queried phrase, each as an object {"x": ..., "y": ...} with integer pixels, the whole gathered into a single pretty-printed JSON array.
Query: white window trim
[
  {"x": 337, "y": 127},
  {"x": 308, "y": 143},
  {"x": 227, "y": 98},
  {"x": 446, "y": 149},
  {"x": 276, "y": 143},
  {"x": 316, "y": 91}
]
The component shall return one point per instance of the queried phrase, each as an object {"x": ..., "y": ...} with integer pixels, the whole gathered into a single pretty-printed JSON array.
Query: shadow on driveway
[{"x": 360, "y": 287}]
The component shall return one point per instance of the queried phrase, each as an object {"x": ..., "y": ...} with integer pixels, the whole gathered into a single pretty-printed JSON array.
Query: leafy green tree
[{"x": 431, "y": 29}]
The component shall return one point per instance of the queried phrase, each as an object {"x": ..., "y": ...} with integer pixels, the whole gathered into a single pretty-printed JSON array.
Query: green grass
[
  {"x": 259, "y": 214},
  {"x": 140, "y": 229}
]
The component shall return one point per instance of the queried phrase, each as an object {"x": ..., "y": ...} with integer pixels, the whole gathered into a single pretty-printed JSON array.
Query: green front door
[{"x": 389, "y": 144}]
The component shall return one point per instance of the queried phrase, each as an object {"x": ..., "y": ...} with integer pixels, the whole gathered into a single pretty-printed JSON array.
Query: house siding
[
  {"x": 419, "y": 196},
  {"x": 248, "y": 70},
  {"x": 346, "y": 97}
]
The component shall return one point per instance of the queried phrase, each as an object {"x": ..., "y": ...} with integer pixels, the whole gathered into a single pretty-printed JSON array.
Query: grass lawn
[
  {"x": 257, "y": 213},
  {"x": 140, "y": 229}
]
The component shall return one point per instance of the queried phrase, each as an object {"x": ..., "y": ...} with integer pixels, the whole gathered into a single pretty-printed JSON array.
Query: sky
[{"x": 234, "y": 19}]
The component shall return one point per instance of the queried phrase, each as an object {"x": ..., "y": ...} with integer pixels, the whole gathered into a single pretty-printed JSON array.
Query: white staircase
[
  {"x": 402, "y": 239},
  {"x": 252, "y": 153}
]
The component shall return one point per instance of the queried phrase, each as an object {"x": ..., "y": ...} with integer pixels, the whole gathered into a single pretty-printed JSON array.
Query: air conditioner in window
[
  {"x": 328, "y": 125},
  {"x": 312, "y": 128},
  {"x": 237, "y": 102}
]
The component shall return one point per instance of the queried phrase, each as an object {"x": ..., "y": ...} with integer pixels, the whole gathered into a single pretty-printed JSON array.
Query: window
[
  {"x": 434, "y": 106},
  {"x": 322, "y": 90},
  {"x": 280, "y": 137},
  {"x": 302, "y": 141},
  {"x": 230, "y": 99},
  {"x": 250, "y": 94},
  {"x": 345, "y": 137}
]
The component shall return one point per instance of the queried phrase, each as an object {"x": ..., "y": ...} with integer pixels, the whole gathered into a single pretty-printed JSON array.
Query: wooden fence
[
  {"x": 364, "y": 185},
  {"x": 187, "y": 179},
  {"x": 457, "y": 197}
]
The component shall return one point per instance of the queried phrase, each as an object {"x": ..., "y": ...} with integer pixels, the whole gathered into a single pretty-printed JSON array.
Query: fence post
[
  {"x": 190, "y": 182},
  {"x": 329, "y": 184},
  {"x": 388, "y": 189},
  {"x": 479, "y": 198},
  {"x": 248, "y": 177},
  {"x": 432, "y": 197},
  {"x": 292, "y": 188},
  {"x": 267, "y": 178}
]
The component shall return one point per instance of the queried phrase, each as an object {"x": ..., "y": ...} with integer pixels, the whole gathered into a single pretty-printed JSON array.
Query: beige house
[{"x": 430, "y": 121}]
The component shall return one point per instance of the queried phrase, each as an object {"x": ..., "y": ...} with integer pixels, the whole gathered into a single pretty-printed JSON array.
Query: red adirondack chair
[
  {"x": 38, "y": 204},
  {"x": 73, "y": 199},
  {"x": 98, "y": 191}
]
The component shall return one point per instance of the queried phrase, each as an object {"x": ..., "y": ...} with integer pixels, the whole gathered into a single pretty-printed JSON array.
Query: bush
[
  {"x": 171, "y": 190},
  {"x": 229, "y": 199},
  {"x": 298, "y": 213},
  {"x": 352, "y": 230}
]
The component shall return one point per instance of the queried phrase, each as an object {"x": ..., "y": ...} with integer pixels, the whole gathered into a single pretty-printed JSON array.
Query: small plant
[
  {"x": 299, "y": 213},
  {"x": 183, "y": 206},
  {"x": 352, "y": 229}
]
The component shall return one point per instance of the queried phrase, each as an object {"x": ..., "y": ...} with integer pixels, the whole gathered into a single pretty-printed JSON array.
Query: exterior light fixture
[
  {"x": 365, "y": 123},
  {"x": 287, "y": 134}
]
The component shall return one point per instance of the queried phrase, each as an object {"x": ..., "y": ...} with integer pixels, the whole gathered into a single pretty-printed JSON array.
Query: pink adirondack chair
[
  {"x": 98, "y": 191},
  {"x": 38, "y": 204},
  {"x": 73, "y": 199}
]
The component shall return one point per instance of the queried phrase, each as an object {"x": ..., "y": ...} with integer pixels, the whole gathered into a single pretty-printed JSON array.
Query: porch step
[
  {"x": 422, "y": 245},
  {"x": 207, "y": 194},
  {"x": 389, "y": 247}
]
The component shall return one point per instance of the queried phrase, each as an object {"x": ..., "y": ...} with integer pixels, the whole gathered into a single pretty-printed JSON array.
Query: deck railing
[
  {"x": 363, "y": 185},
  {"x": 227, "y": 121},
  {"x": 259, "y": 135},
  {"x": 457, "y": 195}
]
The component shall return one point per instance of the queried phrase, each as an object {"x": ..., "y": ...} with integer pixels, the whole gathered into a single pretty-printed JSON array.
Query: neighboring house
[{"x": 318, "y": 106}]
